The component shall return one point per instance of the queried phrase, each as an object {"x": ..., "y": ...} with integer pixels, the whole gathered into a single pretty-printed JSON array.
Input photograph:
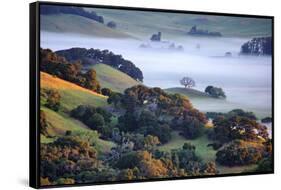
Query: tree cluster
[
  {"x": 239, "y": 153},
  {"x": 55, "y": 9},
  {"x": 95, "y": 118},
  {"x": 58, "y": 66},
  {"x": 94, "y": 56},
  {"x": 240, "y": 139},
  {"x": 215, "y": 92},
  {"x": 151, "y": 111}
]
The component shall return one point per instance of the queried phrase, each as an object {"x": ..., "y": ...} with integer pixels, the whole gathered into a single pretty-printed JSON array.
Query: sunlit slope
[
  {"x": 179, "y": 24},
  {"x": 67, "y": 23},
  {"x": 72, "y": 95},
  {"x": 113, "y": 79}
]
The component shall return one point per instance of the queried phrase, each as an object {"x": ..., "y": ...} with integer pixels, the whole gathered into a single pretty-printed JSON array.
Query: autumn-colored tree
[
  {"x": 45, "y": 181},
  {"x": 53, "y": 99},
  {"x": 91, "y": 80}
]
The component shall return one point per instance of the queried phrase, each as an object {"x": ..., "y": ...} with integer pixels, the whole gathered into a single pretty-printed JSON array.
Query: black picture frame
[{"x": 34, "y": 96}]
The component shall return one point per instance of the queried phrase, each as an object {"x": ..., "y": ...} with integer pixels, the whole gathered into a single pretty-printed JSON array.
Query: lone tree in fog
[{"x": 187, "y": 82}]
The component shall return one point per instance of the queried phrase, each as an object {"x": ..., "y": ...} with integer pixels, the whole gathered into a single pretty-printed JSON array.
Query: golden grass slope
[
  {"x": 72, "y": 95},
  {"x": 49, "y": 81}
]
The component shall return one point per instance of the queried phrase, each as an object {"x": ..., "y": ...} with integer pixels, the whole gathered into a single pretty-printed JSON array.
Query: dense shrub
[
  {"x": 106, "y": 91},
  {"x": 239, "y": 153},
  {"x": 192, "y": 128},
  {"x": 65, "y": 157},
  {"x": 94, "y": 56},
  {"x": 238, "y": 124},
  {"x": 95, "y": 118},
  {"x": 215, "y": 92}
]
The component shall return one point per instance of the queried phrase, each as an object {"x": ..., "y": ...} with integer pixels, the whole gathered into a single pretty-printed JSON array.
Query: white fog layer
[{"x": 246, "y": 80}]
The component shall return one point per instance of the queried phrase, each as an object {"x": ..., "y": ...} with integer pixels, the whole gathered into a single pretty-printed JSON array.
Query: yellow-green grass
[
  {"x": 59, "y": 123},
  {"x": 202, "y": 150},
  {"x": 68, "y": 23},
  {"x": 72, "y": 95},
  {"x": 207, "y": 154},
  {"x": 236, "y": 169},
  {"x": 113, "y": 79}
]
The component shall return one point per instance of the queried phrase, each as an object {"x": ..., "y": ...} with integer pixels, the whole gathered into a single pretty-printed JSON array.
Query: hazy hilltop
[
  {"x": 170, "y": 24},
  {"x": 126, "y": 24},
  {"x": 68, "y": 23}
]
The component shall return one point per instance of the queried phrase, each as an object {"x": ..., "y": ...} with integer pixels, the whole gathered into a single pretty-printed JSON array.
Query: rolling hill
[
  {"x": 113, "y": 79},
  {"x": 206, "y": 103},
  {"x": 191, "y": 93},
  {"x": 179, "y": 24},
  {"x": 67, "y": 23},
  {"x": 72, "y": 95}
]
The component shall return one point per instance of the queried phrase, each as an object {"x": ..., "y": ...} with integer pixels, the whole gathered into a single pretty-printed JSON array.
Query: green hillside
[
  {"x": 113, "y": 79},
  {"x": 208, "y": 154},
  {"x": 67, "y": 23},
  {"x": 179, "y": 24},
  {"x": 59, "y": 123}
]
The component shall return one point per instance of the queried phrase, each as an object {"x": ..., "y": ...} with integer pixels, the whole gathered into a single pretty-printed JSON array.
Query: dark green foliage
[
  {"x": 111, "y": 24},
  {"x": 95, "y": 118},
  {"x": 93, "y": 56},
  {"x": 215, "y": 92},
  {"x": 266, "y": 120},
  {"x": 192, "y": 128},
  {"x": 106, "y": 91},
  {"x": 188, "y": 146},
  {"x": 240, "y": 153},
  {"x": 95, "y": 122},
  {"x": 148, "y": 110},
  {"x": 53, "y": 99},
  {"x": 241, "y": 113},
  {"x": 146, "y": 124},
  {"x": 114, "y": 98},
  {"x": 200, "y": 32},
  {"x": 54, "y": 9},
  {"x": 58, "y": 66},
  {"x": 257, "y": 46},
  {"x": 68, "y": 133},
  {"x": 127, "y": 122},
  {"x": 163, "y": 132},
  {"x": 265, "y": 165},
  {"x": 213, "y": 115},
  {"x": 129, "y": 160}
]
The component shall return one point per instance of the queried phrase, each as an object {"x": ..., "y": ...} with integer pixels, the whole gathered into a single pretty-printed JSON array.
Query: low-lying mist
[{"x": 246, "y": 80}]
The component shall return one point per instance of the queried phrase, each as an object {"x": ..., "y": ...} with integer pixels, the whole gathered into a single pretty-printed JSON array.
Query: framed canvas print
[{"x": 120, "y": 94}]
